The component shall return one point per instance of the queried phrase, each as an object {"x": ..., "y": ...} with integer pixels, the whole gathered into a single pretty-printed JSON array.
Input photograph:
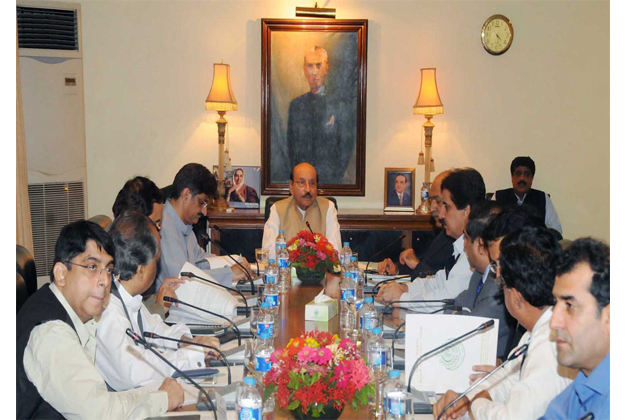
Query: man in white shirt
[
  {"x": 525, "y": 265},
  {"x": 291, "y": 214},
  {"x": 123, "y": 364},
  {"x": 461, "y": 189},
  {"x": 56, "y": 342}
]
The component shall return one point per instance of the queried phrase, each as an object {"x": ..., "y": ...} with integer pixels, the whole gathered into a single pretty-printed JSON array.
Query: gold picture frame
[{"x": 392, "y": 187}]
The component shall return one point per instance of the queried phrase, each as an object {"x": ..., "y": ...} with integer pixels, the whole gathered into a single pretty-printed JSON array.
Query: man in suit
[
  {"x": 321, "y": 127},
  {"x": 522, "y": 170},
  {"x": 400, "y": 197}
]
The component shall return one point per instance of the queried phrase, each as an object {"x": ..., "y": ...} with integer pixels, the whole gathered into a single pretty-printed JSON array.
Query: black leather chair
[
  {"x": 270, "y": 201},
  {"x": 22, "y": 292},
  {"x": 25, "y": 267}
]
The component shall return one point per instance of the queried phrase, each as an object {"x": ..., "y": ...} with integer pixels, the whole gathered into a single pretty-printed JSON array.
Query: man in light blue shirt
[
  {"x": 191, "y": 189},
  {"x": 581, "y": 324}
]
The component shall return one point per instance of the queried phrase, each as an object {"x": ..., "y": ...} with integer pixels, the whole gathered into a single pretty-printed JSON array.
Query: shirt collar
[
  {"x": 544, "y": 319},
  {"x": 485, "y": 275},
  {"x": 132, "y": 302},
  {"x": 84, "y": 330},
  {"x": 598, "y": 380},
  {"x": 459, "y": 245},
  {"x": 170, "y": 213},
  {"x": 321, "y": 91}
]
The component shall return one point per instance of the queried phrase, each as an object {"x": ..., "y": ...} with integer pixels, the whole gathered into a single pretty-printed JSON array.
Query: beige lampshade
[
  {"x": 221, "y": 96},
  {"x": 428, "y": 101}
]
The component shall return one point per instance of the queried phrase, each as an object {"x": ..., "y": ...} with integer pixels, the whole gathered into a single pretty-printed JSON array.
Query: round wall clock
[{"x": 497, "y": 34}]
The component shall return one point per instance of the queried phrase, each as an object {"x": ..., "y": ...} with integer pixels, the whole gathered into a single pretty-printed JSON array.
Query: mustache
[
  {"x": 443, "y": 222},
  {"x": 521, "y": 183},
  {"x": 307, "y": 195}
]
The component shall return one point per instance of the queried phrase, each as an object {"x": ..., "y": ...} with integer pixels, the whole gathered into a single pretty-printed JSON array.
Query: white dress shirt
[
  {"x": 440, "y": 286},
  {"x": 122, "y": 363},
  {"x": 60, "y": 363},
  {"x": 272, "y": 228},
  {"x": 527, "y": 394},
  {"x": 551, "y": 216}
]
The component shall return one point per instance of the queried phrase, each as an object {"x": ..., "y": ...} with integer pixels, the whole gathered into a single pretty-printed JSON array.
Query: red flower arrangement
[
  {"x": 318, "y": 371},
  {"x": 312, "y": 252}
]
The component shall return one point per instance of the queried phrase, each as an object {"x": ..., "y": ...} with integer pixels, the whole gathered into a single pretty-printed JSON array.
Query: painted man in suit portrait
[
  {"x": 400, "y": 197},
  {"x": 321, "y": 124}
]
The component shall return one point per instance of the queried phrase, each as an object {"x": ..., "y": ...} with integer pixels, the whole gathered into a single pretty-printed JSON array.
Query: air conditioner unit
[{"x": 51, "y": 75}]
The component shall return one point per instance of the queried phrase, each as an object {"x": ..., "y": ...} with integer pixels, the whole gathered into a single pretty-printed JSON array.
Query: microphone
[
  {"x": 138, "y": 340},
  {"x": 483, "y": 326},
  {"x": 589, "y": 416},
  {"x": 232, "y": 289},
  {"x": 148, "y": 334},
  {"x": 309, "y": 228},
  {"x": 223, "y": 249},
  {"x": 377, "y": 254},
  {"x": 376, "y": 288},
  {"x": 447, "y": 302},
  {"x": 518, "y": 352},
  {"x": 174, "y": 300}
]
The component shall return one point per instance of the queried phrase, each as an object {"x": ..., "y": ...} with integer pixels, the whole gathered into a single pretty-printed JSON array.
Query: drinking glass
[{"x": 262, "y": 258}]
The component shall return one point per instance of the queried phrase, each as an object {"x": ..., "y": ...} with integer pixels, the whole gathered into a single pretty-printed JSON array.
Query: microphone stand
[
  {"x": 222, "y": 248},
  {"x": 174, "y": 300},
  {"x": 445, "y": 301},
  {"x": 138, "y": 340},
  {"x": 377, "y": 254},
  {"x": 223, "y": 356},
  {"x": 521, "y": 350},
  {"x": 232, "y": 289}
]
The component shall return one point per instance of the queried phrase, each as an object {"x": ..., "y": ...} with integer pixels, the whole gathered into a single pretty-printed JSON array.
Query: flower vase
[
  {"x": 329, "y": 413},
  {"x": 307, "y": 276}
]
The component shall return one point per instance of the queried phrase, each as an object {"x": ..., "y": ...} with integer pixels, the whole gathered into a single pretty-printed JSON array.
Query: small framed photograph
[
  {"x": 399, "y": 189},
  {"x": 242, "y": 186}
]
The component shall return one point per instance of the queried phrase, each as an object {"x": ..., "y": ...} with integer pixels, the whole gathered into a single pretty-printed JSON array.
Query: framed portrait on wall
[
  {"x": 399, "y": 189},
  {"x": 242, "y": 186},
  {"x": 314, "y": 78}
]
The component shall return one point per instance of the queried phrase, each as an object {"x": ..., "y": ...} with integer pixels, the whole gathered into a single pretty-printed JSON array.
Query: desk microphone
[
  {"x": 225, "y": 251},
  {"x": 232, "y": 289},
  {"x": 376, "y": 288},
  {"x": 309, "y": 228},
  {"x": 483, "y": 326},
  {"x": 518, "y": 352},
  {"x": 138, "y": 340},
  {"x": 377, "y": 254},
  {"x": 149, "y": 334},
  {"x": 443, "y": 301},
  {"x": 174, "y": 300}
]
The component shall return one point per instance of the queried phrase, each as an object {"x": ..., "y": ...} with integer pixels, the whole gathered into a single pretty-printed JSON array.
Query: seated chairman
[
  {"x": 123, "y": 364},
  {"x": 291, "y": 214},
  {"x": 461, "y": 190},
  {"x": 191, "y": 189},
  {"x": 56, "y": 339}
]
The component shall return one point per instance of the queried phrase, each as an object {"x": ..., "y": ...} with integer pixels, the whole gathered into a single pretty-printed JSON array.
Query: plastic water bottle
[
  {"x": 248, "y": 403},
  {"x": 352, "y": 271},
  {"x": 345, "y": 255},
  {"x": 270, "y": 295},
  {"x": 348, "y": 290},
  {"x": 379, "y": 358},
  {"x": 266, "y": 320},
  {"x": 284, "y": 267},
  {"x": 280, "y": 239},
  {"x": 424, "y": 207},
  {"x": 262, "y": 354},
  {"x": 368, "y": 319},
  {"x": 395, "y": 397}
]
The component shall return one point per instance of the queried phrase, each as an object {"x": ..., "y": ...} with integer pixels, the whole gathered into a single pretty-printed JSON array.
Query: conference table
[{"x": 291, "y": 323}]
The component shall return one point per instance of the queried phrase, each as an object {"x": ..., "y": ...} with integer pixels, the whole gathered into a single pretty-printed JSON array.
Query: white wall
[{"x": 148, "y": 70}]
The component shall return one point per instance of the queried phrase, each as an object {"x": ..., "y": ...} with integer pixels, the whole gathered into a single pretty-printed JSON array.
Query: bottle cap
[
  {"x": 265, "y": 336},
  {"x": 264, "y": 305},
  {"x": 272, "y": 261},
  {"x": 345, "y": 243},
  {"x": 282, "y": 246},
  {"x": 352, "y": 258},
  {"x": 368, "y": 300},
  {"x": 394, "y": 374},
  {"x": 249, "y": 381},
  {"x": 377, "y": 331},
  {"x": 281, "y": 231}
]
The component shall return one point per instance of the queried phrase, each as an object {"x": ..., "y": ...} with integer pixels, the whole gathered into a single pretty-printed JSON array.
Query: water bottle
[
  {"x": 379, "y": 357},
  {"x": 348, "y": 290},
  {"x": 284, "y": 267},
  {"x": 368, "y": 319},
  {"x": 345, "y": 255},
  {"x": 395, "y": 397},
  {"x": 270, "y": 295},
  {"x": 262, "y": 354},
  {"x": 280, "y": 239},
  {"x": 266, "y": 320},
  {"x": 424, "y": 207},
  {"x": 248, "y": 403},
  {"x": 352, "y": 271}
]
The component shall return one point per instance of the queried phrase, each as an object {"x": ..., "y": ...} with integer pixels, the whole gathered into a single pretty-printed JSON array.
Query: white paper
[
  {"x": 449, "y": 368},
  {"x": 221, "y": 261},
  {"x": 322, "y": 297}
]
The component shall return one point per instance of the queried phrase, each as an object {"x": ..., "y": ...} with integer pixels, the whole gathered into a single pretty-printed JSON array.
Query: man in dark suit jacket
[{"x": 399, "y": 197}]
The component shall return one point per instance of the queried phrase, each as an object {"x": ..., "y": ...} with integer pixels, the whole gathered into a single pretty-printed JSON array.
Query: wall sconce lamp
[{"x": 221, "y": 99}]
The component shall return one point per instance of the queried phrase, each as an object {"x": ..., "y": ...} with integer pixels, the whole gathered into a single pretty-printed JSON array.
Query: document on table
[
  {"x": 450, "y": 367},
  {"x": 221, "y": 261}
]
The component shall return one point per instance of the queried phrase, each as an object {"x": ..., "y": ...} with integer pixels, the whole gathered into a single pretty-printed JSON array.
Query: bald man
[
  {"x": 291, "y": 214},
  {"x": 439, "y": 251}
]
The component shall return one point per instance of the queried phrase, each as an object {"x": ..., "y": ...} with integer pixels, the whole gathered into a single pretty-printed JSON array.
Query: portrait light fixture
[
  {"x": 428, "y": 104},
  {"x": 315, "y": 12},
  {"x": 221, "y": 99}
]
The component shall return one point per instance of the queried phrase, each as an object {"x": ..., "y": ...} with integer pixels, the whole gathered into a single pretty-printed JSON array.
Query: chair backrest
[
  {"x": 102, "y": 220},
  {"x": 270, "y": 201},
  {"x": 22, "y": 292},
  {"x": 25, "y": 267}
]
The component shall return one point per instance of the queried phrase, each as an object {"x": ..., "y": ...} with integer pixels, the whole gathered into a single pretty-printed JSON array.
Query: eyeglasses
[
  {"x": 93, "y": 270},
  {"x": 203, "y": 203},
  {"x": 302, "y": 183},
  {"x": 493, "y": 266}
]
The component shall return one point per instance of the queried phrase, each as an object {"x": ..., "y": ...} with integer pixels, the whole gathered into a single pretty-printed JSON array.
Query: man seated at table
[
  {"x": 56, "y": 339},
  {"x": 484, "y": 297},
  {"x": 525, "y": 262},
  {"x": 439, "y": 251},
  {"x": 191, "y": 191},
  {"x": 461, "y": 190},
  {"x": 291, "y": 214},
  {"x": 123, "y": 364},
  {"x": 581, "y": 323}
]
